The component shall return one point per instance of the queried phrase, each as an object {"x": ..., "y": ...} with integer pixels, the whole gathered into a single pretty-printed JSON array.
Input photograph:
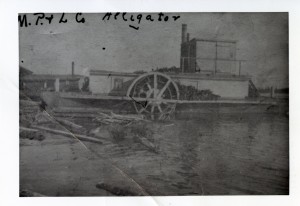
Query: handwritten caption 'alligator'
[{"x": 133, "y": 20}]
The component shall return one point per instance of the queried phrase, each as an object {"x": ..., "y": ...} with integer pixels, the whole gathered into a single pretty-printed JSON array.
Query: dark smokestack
[
  {"x": 188, "y": 37},
  {"x": 183, "y": 34},
  {"x": 72, "y": 68}
]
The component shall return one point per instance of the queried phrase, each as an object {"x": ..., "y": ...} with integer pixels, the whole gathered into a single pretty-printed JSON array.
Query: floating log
[
  {"x": 116, "y": 190},
  {"x": 78, "y": 136},
  {"x": 117, "y": 118},
  {"x": 128, "y": 116},
  {"x": 168, "y": 125},
  {"x": 28, "y": 193},
  {"x": 68, "y": 123},
  {"x": 28, "y": 129},
  {"x": 144, "y": 141},
  {"x": 32, "y": 134},
  {"x": 29, "y": 103}
]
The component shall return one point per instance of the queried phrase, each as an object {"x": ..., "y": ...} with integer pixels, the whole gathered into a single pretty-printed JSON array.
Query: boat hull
[{"x": 125, "y": 105}]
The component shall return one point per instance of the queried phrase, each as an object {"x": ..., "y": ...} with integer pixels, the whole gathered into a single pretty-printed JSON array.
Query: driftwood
[
  {"x": 28, "y": 193},
  {"x": 116, "y": 190},
  {"x": 32, "y": 134},
  {"x": 28, "y": 129},
  {"x": 29, "y": 103},
  {"x": 68, "y": 123},
  {"x": 117, "y": 118},
  {"x": 144, "y": 141},
  {"x": 168, "y": 125},
  {"x": 69, "y": 134}
]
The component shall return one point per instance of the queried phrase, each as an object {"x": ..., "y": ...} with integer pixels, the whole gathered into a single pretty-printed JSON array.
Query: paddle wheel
[{"x": 154, "y": 94}]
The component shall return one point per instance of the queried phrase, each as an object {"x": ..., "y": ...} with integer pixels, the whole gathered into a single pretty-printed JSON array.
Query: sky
[{"x": 262, "y": 40}]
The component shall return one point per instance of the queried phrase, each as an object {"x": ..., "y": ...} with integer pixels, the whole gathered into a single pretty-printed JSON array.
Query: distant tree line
[{"x": 276, "y": 90}]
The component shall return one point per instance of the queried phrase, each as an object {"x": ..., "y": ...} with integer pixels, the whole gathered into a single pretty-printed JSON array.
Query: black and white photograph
[{"x": 153, "y": 104}]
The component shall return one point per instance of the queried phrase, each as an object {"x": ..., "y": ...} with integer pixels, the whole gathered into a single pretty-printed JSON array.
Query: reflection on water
[{"x": 212, "y": 154}]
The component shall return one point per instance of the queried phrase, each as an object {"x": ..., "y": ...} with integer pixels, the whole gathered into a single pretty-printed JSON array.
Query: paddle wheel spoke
[
  {"x": 163, "y": 89},
  {"x": 155, "y": 86}
]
